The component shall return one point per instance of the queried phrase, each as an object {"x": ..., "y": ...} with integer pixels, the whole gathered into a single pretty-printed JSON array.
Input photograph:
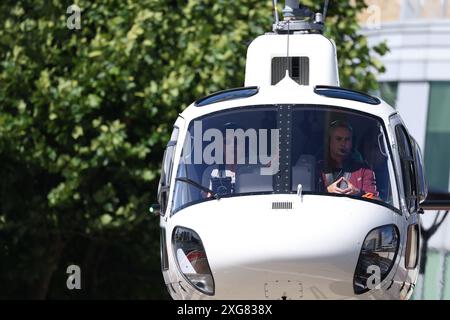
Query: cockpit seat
[
  {"x": 304, "y": 173},
  {"x": 249, "y": 179}
]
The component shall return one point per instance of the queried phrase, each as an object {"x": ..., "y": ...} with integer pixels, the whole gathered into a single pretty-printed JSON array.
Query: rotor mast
[{"x": 298, "y": 19}]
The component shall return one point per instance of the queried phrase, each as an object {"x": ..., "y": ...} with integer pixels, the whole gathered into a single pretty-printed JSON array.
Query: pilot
[{"x": 341, "y": 171}]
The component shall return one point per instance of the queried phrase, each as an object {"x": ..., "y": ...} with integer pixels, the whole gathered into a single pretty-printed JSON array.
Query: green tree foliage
[{"x": 84, "y": 118}]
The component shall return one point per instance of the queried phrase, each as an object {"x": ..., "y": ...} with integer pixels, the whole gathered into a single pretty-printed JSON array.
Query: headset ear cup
[{"x": 340, "y": 123}]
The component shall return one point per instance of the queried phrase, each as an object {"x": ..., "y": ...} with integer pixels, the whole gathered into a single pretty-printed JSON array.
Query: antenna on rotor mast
[
  {"x": 275, "y": 11},
  {"x": 325, "y": 10}
]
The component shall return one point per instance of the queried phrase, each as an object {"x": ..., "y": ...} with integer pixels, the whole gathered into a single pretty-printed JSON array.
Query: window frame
[
  {"x": 421, "y": 179},
  {"x": 407, "y": 162}
]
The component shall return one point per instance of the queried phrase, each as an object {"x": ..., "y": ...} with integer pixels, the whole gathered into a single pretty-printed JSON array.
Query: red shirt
[{"x": 361, "y": 177}]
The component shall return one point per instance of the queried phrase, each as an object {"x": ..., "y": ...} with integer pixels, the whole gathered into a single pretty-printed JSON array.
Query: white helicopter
[{"x": 291, "y": 187}]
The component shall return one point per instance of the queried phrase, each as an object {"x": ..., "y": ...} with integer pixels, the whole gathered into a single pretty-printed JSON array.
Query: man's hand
[
  {"x": 206, "y": 194},
  {"x": 351, "y": 189},
  {"x": 333, "y": 188}
]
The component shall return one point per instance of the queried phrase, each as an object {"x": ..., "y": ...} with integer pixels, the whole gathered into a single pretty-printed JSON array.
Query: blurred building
[{"x": 417, "y": 83}]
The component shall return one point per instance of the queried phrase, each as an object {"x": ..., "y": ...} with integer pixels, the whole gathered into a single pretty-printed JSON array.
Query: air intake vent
[
  {"x": 298, "y": 69},
  {"x": 281, "y": 205}
]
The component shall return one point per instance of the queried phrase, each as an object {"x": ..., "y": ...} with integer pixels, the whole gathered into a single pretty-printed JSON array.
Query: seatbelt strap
[
  {"x": 347, "y": 175},
  {"x": 328, "y": 179}
]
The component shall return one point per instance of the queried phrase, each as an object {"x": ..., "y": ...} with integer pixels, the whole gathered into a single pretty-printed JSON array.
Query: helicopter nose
[
  {"x": 289, "y": 270},
  {"x": 307, "y": 252}
]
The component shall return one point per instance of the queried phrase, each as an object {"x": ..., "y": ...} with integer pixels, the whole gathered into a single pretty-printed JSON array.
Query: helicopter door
[
  {"x": 408, "y": 190},
  {"x": 166, "y": 172}
]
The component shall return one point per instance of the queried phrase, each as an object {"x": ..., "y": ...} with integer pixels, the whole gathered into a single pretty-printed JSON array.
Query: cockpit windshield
[{"x": 281, "y": 149}]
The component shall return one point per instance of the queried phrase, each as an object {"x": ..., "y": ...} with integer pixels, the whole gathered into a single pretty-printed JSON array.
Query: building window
[
  {"x": 388, "y": 92},
  {"x": 437, "y": 152}
]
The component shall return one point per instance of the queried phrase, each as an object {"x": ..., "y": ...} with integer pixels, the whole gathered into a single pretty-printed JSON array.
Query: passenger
[
  {"x": 341, "y": 172},
  {"x": 223, "y": 176}
]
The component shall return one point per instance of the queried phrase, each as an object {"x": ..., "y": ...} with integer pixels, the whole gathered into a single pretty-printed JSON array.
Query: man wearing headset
[{"x": 341, "y": 172}]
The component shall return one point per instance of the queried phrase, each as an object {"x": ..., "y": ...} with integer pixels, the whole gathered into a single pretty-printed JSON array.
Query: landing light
[
  {"x": 376, "y": 259},
  {"x": 192, "y": 261}
]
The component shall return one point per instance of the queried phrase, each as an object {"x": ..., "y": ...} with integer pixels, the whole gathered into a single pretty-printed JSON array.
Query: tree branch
[{"x": 435, "y": 227}]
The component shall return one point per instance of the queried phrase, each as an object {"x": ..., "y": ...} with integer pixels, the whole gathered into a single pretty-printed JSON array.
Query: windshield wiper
[{"x": 198, "y": 186}]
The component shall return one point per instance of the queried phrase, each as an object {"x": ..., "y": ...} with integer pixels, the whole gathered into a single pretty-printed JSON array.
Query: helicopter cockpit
[{"x": 253, "y": 150}]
